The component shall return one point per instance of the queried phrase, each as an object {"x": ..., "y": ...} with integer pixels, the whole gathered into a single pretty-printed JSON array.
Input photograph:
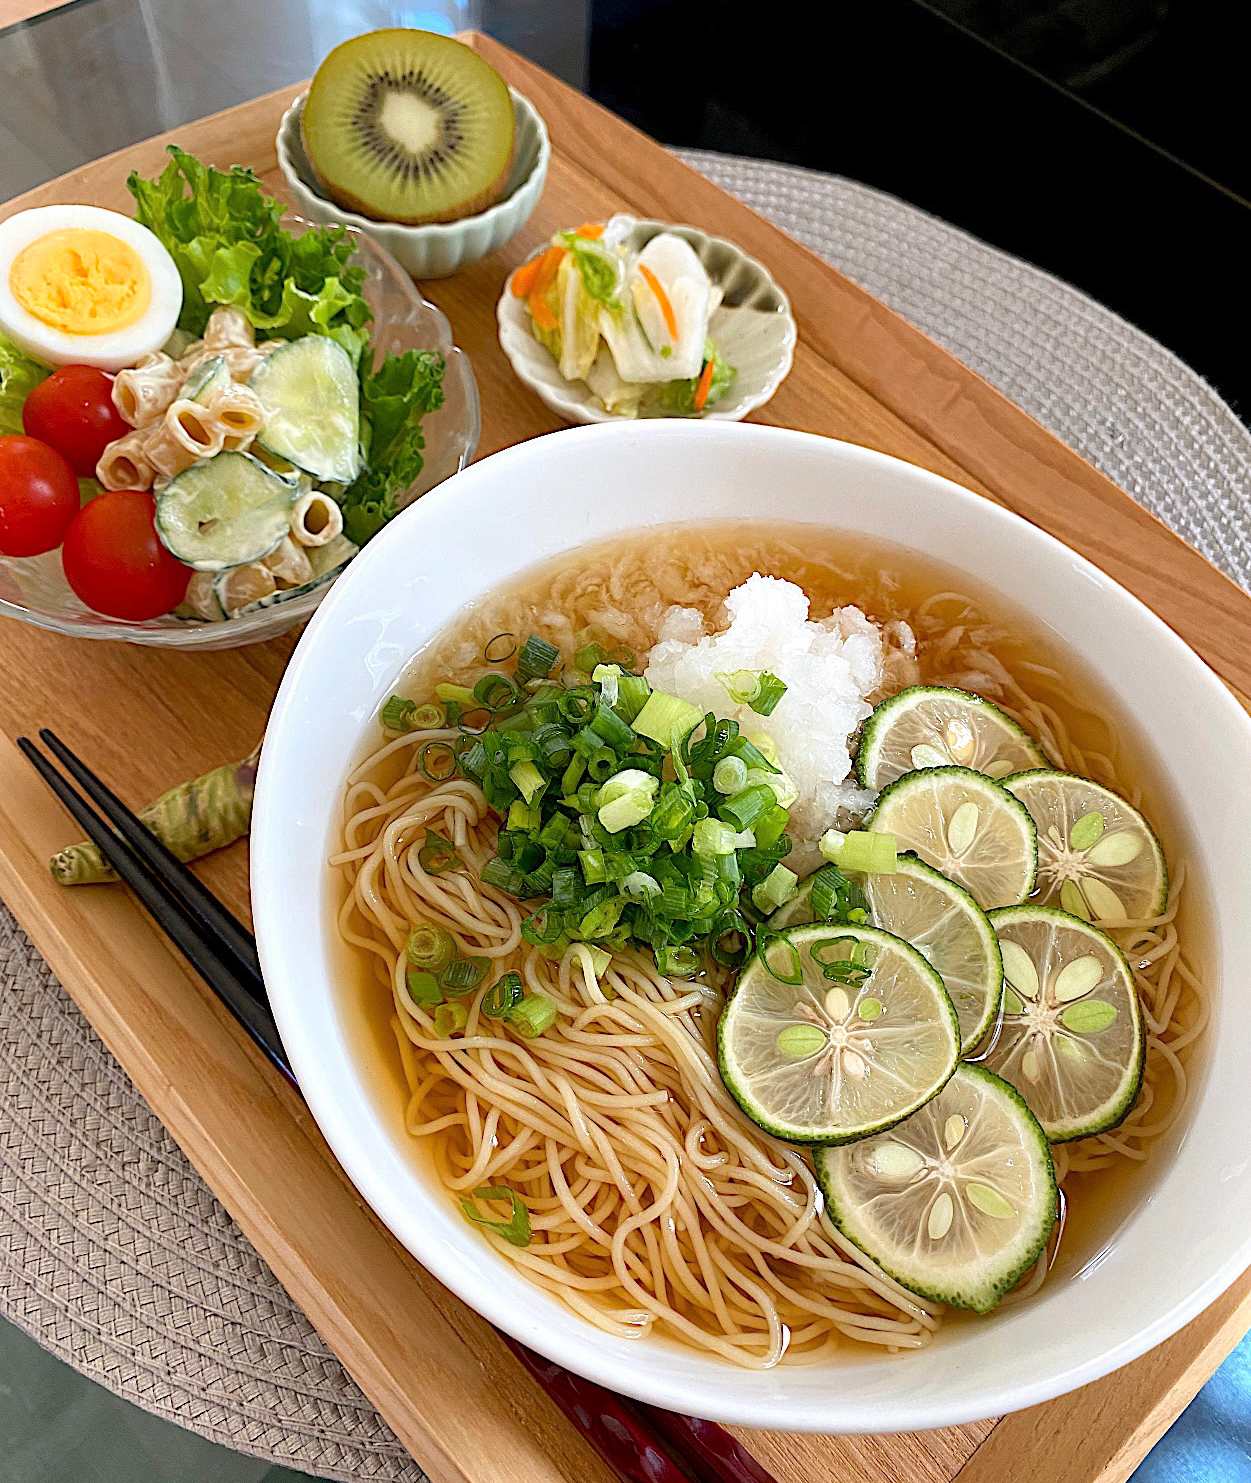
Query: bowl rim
[
  {"x": 562, "y": 398},
  {"x": 269, "y": 622},
  {"x": 651, "y": 1383},
  {"x": 288, "y": 139}
]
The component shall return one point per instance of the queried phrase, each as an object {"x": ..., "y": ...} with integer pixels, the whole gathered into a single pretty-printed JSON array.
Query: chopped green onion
[
  {"x": 835, "y": 898},
  {"x": 438, "y": 855},
  {"x": 516, "y": 1229},
  {"x": 729, "y": 940},
  {"x": 784, "y": 789},
  {"x": 770, "y": 826},
  {"x": 463, "y": 975},
  {"x": 601, "y": 959},
  {"x": 626, "y": 799},
  {"x": 757, "y": 688},
  {"x": 430, "y": 947},
  {"x": 666, "y": 719},
  {"x": 437, "y": 761},
  {"x": 608, "y": 678},
  {"x": 623, "y": 655},
  {"x": 450, "y": 1018},
  {"x": 608, "y": 725},
  {"x": 534, "y": 1014},
  {"x": 427, "y": 717},
  {"x": 529, "y": 780},
  {"x": 640, "y": 886},
  {"x": 457, "y": 693},
  {"x": 780, "y": 956},
  {"x": 765, "y": 745},
  {"x": 504, "y": 876},
  {"x": 588, "y": 657},
  {"x": 497, "y": 692},
  {"x": 577, "y": 705},
  {"x": 864, "y": 850},
  {"x": 713, "y": 837},
  {"x": 853, "y": 969},
  {"x": 503, "y": 994},
  {"x": 775, "y": 890},
  {"x": 632, "y": 693},
  {"x": 602, "y": 764},
  {"x": 397, "y": 714},
  {"x": 423, "y": 988},
  {"x": 536, "y": 659},
  {"x": 729, "y": 775},
  {"x": 677, "y": 962},
  {"x": 746, "y": 807},
  {"x": 523, "y": 816},
  {"x": 504, "y": 643}
]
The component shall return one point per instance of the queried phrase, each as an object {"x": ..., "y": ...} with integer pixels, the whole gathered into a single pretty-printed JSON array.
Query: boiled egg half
[{"x": 83, "y": 286}]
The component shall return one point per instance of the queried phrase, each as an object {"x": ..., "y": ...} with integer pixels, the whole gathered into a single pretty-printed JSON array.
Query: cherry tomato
[
  {"x": 114, "y": 559},
  {"x": 38, "y": 496},
  {"x": 73, "y": 412}
]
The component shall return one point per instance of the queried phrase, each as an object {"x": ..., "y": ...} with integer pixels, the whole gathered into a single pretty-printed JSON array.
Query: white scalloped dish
[{"x": 753, "y": 328}]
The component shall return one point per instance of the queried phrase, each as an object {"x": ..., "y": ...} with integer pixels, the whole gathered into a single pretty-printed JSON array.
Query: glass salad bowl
[{"x": 33, "y": 589}]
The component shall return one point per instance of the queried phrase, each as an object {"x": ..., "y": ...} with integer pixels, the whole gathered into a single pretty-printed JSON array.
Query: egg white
[{"x": 109, "y": 352}]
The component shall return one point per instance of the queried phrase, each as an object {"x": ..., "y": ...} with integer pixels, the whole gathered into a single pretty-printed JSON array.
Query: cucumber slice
[
  {"x": 1072, "y": 1040},
  {"x": 935, "y": 726},
  {"x": 321, "y": 579},
  {"x": 223, "y": 512},
  {"x": 965, "y": 825},
  {"x": 208, "y": 378},
  {"x": 863, "y": 1035},
  {"x": 311, "y": 396},
  {"x": 1098, "y": 858},
  {"x": 958, "y": 1202},
  {"x": 943, "y": 922}
]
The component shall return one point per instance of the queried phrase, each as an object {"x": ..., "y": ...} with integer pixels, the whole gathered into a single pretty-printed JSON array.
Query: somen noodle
[{"x": 654, "y": 1204}]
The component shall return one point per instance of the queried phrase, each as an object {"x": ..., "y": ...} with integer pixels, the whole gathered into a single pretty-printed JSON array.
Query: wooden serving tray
[{"x": 147, "y": 719}]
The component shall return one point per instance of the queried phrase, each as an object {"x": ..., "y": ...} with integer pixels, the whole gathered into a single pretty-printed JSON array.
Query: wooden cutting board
[{"x": 437, "y": 1372}]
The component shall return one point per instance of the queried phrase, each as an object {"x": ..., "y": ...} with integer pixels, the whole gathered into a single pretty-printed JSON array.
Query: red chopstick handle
[
  {"x": 615, "y": 1430},
  {"x": 708, "y": 1450},
  {"x": 628, "y": 1437}
]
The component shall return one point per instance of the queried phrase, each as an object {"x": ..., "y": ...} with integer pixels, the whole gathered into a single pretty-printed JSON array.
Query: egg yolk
[{"x": 81, "y": 282}]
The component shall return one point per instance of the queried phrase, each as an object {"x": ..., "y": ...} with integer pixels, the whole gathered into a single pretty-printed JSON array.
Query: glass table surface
[{"x": 97, "y": 75}]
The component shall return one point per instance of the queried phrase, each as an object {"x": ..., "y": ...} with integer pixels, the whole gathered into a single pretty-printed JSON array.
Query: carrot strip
[
  {"x": 705, "y": 384},
  {"x": 523, "y": 279},
  {"x": 662, "y": 298},
  {"x": 592, "y": 229},
  {"x": 549, "y": 264}
]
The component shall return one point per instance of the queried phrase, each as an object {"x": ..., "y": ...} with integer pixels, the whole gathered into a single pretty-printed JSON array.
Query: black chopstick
[
  {"x": 631, "y": 1438},
  {"x": 222, "y": 925},
  {"x": 214, "y": 961}
]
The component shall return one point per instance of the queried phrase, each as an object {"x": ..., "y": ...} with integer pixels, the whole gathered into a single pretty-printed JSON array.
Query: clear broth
[{"x": 696, "y": 566}]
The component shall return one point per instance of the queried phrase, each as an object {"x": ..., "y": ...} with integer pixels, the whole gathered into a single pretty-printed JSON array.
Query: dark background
[{"x": 1105, "y": 140}]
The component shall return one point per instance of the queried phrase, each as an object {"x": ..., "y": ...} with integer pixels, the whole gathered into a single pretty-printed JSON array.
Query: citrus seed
[
  {"x": 1086, "y": 831},
  {"x": 870, "y": 1009},
  {"x": 924, "y": 755},
  {"x": 799, "y": 1041},
  {"x": 953, "y": 1130},
  {"x": 1076, "y": 978},
  {"x": 1116, "y": 849},
  {"x": 1104, "y": 902},
  {"x": 1088, "y": 1017},
  {"x": 962, "y": 829},
  {"x": 942, "y": 1212},
  {"x": 988, "y": 1201},
  {"x": 1019, "y": 970},
  {"x": 893, "y": 1160},
  {"x": 1072, "y": 900}
]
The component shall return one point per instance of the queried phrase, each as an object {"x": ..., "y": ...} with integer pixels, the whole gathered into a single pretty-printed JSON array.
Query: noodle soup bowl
[{"x": 1169, "y": 1248}]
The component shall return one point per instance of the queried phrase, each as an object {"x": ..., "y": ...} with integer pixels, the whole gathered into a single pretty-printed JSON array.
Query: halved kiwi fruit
[{"x": 409, "y": 126}]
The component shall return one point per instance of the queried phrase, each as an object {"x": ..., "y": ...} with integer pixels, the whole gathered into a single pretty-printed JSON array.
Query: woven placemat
[{"x": 113, "y": 1253}]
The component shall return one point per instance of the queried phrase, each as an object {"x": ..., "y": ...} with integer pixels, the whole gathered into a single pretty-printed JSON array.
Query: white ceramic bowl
[
  {"x": 440, "y": 248},
  {"x": 754, "y": 328},
  {"x": 1189, "y": 1234}
]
